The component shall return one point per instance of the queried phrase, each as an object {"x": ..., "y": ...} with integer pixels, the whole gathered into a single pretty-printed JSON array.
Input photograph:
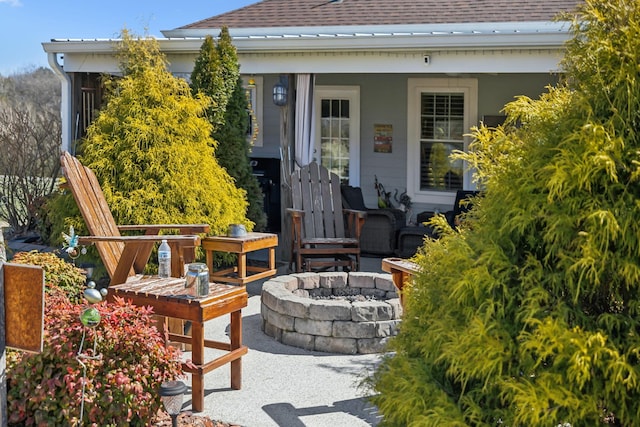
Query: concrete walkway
[
  {"x": 287, "y": 386},
  {"x": 281, "y": 385}
]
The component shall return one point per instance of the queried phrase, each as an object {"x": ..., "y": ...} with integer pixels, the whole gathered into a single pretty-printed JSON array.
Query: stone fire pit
[{"x": 331, "y": 312}]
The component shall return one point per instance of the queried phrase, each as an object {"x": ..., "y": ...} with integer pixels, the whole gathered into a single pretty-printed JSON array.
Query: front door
[{"x": 337, "y": 139}]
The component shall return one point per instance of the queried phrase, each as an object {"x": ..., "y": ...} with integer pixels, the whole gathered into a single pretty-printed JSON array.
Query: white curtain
[{"x": 304, "y": 126}]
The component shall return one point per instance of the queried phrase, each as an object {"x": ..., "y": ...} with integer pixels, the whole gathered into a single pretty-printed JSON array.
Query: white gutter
[
  {"x": 471, "y": 28},
  {"x": 65, "y": 101},
  {"x": 297, "y": 39}
]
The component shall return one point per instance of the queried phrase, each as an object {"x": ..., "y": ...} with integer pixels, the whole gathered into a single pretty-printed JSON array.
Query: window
[
  {"x": 441, "y": 132},
  {"x": 334, "y": 137},
  {"x": 337, "y": 135},
  {"x": 440, "y": 113}
]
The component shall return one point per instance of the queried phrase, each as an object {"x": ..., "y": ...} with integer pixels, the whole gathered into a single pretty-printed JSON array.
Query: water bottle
[{"x": 164, "y": 260}]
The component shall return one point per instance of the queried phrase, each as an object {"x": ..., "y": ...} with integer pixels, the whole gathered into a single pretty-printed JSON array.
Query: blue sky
[{"x": 25, "y": 24}]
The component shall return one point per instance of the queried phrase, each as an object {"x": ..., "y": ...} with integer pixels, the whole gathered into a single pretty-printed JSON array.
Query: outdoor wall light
[
  {"x": 280, "y": 92},
  {"x": 172, "y": 393}
]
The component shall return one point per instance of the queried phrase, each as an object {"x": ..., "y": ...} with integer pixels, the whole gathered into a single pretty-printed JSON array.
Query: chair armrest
[
  {"x": 156, "y": 228},
  {"x": 355, "y": 221},
  {"x": 137, "y": 249},
  {"x": 356, "y": 213},
  {"x": 170, "y": 238},
  {"x": 295, "y": 213}
]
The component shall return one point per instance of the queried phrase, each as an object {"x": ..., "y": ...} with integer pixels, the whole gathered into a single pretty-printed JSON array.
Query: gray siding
[{"x": 383, "y": 99}]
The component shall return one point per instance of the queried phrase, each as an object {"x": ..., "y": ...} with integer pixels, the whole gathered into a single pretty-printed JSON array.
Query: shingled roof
[{"x": 314, "y": 13}]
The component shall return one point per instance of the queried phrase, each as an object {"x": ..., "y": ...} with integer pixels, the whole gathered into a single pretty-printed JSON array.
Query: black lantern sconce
[{"x": 280, "y": 92}]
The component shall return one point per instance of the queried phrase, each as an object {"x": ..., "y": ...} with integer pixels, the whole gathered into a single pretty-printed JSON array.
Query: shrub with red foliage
[{"x": 121, "y": 386}]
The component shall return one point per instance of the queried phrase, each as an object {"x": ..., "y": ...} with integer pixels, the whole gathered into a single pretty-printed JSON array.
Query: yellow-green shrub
[{"x": 530, "y": 316}]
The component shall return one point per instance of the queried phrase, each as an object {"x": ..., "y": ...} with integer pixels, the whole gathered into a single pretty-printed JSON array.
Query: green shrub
[
  {"x": 59, "y": 275},
  {"x": 121, "y": 386},
  {"x": 530, "y": 315},
  {"x": 216, "y": 73}
]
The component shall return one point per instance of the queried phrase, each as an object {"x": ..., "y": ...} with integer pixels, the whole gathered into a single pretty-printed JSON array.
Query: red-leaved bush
[{"x": 121, "y": 386}]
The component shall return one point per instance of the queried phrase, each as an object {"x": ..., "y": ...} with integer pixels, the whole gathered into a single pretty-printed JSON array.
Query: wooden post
[
  {"x": 21, "y": 315},
  {"x": 3, "y": 346}
]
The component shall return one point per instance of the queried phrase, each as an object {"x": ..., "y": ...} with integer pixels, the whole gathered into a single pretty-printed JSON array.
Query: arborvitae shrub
[
  {"x": 529, "y": 315},
  {"x": 151, "y": 149},
  {"x": 216, "y": 74}
]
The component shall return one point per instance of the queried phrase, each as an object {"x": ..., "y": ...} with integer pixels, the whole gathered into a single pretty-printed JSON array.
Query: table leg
[
  {"x": 236, "y": 342},
  {"x": 197, "y": 356},
  {"x": 209, "y": 261},
  {"x": 242, "y": 265},
  {"x": 272, "y": 258}
]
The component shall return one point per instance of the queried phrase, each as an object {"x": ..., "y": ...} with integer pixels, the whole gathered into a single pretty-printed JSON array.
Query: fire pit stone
[{"x": 331, "y": 311}]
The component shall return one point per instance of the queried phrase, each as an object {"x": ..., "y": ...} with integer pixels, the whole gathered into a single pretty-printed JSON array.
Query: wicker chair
[
  {"x": 380, "y": 231},
  {"x": 461, "y": 206}
]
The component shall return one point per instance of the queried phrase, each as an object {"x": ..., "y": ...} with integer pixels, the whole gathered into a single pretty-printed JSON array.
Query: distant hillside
[{"x": 39, "y": 87}]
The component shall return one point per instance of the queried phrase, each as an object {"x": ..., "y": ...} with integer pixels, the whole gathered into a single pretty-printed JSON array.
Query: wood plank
[
  {"x": 338, "y": 216},
  {"x": 402, "y": 272},
  {"x": 316, "y": 200},
  {"x": 95, "y": 211},
  {"x": 24, "y": 306},
  {"x": 324, "y": 190}
]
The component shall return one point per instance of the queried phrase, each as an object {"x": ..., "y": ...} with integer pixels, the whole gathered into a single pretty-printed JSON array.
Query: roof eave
[
  {"x": 338, "y": 42},
  {"x": 463, "y": 27}
]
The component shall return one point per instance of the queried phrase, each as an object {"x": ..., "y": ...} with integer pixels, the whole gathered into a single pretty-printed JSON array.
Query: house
[{"x": 375, "y": 88}]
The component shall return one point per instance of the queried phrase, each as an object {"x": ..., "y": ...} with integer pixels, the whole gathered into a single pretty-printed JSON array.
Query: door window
[{"x": 337, "y": 140}]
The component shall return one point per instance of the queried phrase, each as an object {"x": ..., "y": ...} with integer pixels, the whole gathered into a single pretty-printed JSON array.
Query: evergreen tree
[
  {"x": 152, "y": 151},
  {"x": 529, "y": 315},
  {"x": 207, "y": 78},
  {"x": 233, "y": 153},
  {"x": 217, "y": 74}
]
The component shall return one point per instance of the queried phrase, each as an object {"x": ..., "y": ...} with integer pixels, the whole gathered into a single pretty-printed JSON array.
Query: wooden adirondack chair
[
  {"x": 319, "y": 238},
  {"x": 124, "y": 256}
]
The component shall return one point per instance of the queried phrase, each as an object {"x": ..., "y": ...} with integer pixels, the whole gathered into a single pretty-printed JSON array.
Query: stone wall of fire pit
[{"x": 331, "y": 312}]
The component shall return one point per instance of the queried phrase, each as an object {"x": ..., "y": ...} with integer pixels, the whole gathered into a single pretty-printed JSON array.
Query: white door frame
[{"x": 352, "y": 93}]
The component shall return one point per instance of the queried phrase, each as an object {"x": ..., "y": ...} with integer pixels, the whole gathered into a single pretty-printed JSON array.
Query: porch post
[
  {"x": 3, "y": 348},
  {"x": 286, "y": 128}
]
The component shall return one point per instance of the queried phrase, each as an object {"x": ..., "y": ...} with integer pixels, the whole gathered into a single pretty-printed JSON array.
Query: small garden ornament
[
  {"x": 90, "y": 318},
  {"x": 71, "y": 247}
]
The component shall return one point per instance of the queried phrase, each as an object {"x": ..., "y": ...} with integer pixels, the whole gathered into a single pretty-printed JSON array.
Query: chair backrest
[
  {"x": 316, "y": 191},
  {"x": 94, "y": 209}
]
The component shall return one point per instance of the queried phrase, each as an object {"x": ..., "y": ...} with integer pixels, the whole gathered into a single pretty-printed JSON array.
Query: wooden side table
[
  {"x": 241, "y": 274},
  {"x": 402, "y": 271},
  {"x": 168, "y": 298}
]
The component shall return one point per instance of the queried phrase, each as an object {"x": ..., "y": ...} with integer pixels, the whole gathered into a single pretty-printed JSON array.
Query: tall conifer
[{"x": 217, "y": 75}]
